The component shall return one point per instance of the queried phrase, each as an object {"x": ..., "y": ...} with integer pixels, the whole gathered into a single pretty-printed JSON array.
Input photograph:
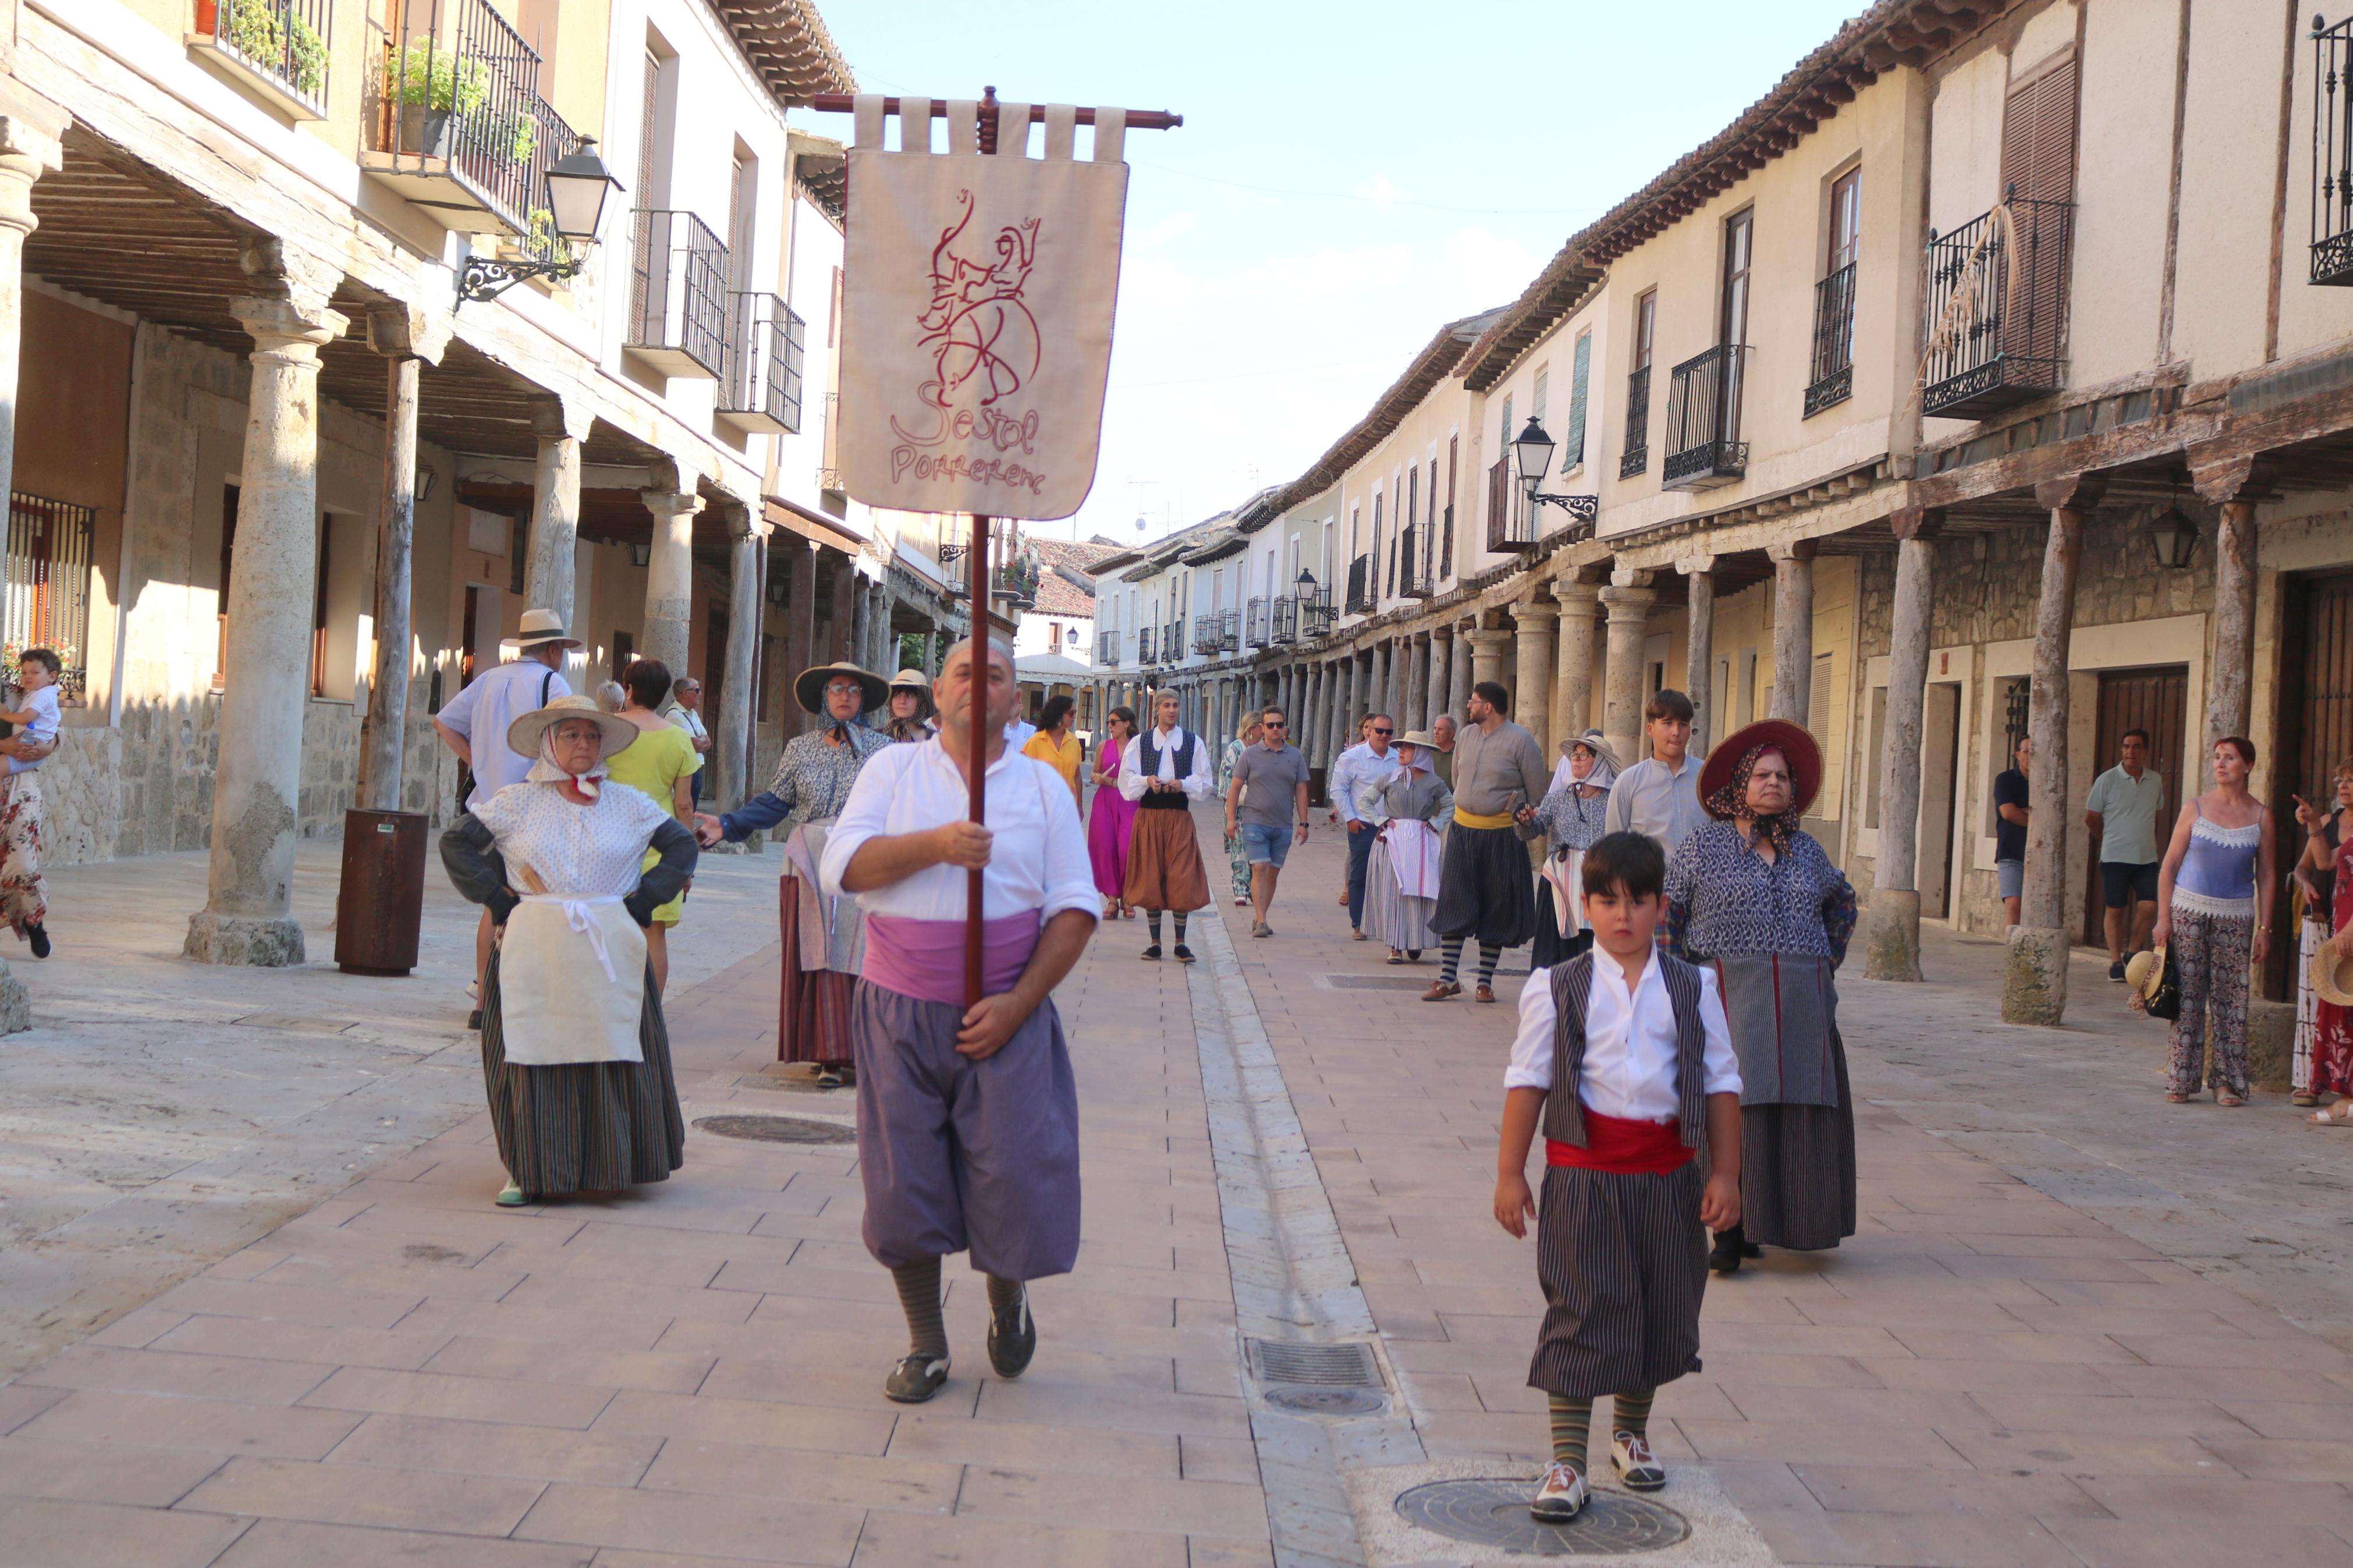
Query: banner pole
[{"x": 976, "y": 576}]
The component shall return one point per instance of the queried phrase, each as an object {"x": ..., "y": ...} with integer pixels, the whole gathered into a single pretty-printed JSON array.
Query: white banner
[{"x": 977, "y": 295}]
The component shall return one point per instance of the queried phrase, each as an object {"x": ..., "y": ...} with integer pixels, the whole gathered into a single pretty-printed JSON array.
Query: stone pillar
[
  {"x": 1310, "y": 724},
  {"x": 1628, "y": 606},
  {"x": 838, "y": 646},
  {"x": 1377, "y": 680},
  {"x": 247, "y": 915},
  {"x": 405, "y": 335},
  {"x": 1417, "y": 686},
  {"x": 1344, "y": 711},
  {"x": 2237, "y": 484},
  {"x": 800, "y": 629},
  {"x": 1793, "y": 629},
  {"x": 26, "y": 150},
  {"x": 1487, "y": 651},
  {"x": 666, "y": 634},
  {"x": 1442, "y": 674},
  {"x": 734, "y": 739},
  {"x": 2034, "y": 983},
  {"x": 1891, "y": 950},
  {"x": 1532, "y": 648},
  {"x": 561, "y": 426},
  {"x": 1460, "y": 677},
  {"x": 1580, "y": 608},
  {"x": 1699, "y": 648}
]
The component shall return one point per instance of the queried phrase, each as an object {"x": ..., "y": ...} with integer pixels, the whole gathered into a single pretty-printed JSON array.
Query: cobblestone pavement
[{"x": 1996, "y": 1371}]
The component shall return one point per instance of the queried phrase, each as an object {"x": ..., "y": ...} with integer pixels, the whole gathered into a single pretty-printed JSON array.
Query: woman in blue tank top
[{"x": 2214, "y": 893}]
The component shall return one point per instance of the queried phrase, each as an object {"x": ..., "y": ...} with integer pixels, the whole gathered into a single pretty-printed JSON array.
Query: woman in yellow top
[
  {"x": 1055, "y": 746},
  {"x": 662, "y": 763}
]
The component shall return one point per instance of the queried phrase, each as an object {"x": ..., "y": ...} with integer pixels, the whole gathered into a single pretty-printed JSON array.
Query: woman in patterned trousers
[{"x": 2214, "y": 893}]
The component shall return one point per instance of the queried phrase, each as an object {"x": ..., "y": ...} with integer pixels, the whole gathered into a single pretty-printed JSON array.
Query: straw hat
[
  {"x": 540, "y": 628},
  {"x": 809, "y": 687},
  {"x": 2145, "y": 972},
  {"x": 1790, "y": 740},
  {"x": 2332, "y": 977},
  {"x": 914, "y": 680},
  {"x": 1417, "y": 738},
  {"x": 523, "y": 735},
  {"x": 1602, "y": 751}
]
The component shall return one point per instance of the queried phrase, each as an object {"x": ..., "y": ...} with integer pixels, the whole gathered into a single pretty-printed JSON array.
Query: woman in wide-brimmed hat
[
  {"x": 575, "y": 1054},
  {"x": 823, "y": 937},
  {"x": 1408, "y": 808},
  {"x": 1571, "y": 816},
  {"x": 1753, "y": 896},
  {"x": 912, "y": 709}
]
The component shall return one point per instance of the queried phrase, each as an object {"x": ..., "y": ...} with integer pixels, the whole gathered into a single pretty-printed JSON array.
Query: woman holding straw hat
[
  {"x": 912, "y": 710},
  {"x": 824, "y": 938},
  {"x": 1408, "y": 808},
  {"x": 2214, "y": 893},
  {"x": 1753, "y": 896},
  {"x": 575, "y": 1054},
  {"x": 1571, "y": 816}
]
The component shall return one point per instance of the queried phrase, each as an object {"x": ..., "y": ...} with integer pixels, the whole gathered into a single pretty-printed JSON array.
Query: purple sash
[{"x": 925, "y": 959}]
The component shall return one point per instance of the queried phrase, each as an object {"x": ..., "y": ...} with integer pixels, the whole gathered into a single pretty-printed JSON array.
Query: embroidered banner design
[{"x": 977, "y": 314}]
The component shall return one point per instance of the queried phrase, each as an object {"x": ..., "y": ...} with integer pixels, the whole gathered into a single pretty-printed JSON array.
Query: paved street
[{"x": 2035, "y": 1353}]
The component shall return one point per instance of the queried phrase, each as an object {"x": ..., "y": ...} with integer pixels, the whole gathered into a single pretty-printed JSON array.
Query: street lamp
[
  {"x": 578, "y": 186},
  {"x": 1534, "y": 450}
]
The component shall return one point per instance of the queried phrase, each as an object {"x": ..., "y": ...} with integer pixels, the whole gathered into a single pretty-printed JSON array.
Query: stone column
[
  {"x": 670, "y": 576},
  {"x": 561, "y": 424},
  {"x": 1793, "y": 629},
  {"x": 838, "y": 646},
  {"x": 800, "y": 629},
  {"x": 257, "y": 784},
  {"x": 1628, "y": 602},
  {"x": 1416, "y": 686},
  {"x": 1580, "y": 608},
  {"x": 1309, "y": 724},
  {"x": 405, "y": 336},
  {"x": 2237, "y": 484},
  {"x": 1442, "y": 652},
  {"x": 1460, "y": 676},
  {"x": 1891, "y": 950},
  {"x": 1344, "y": 711},
  {"x": 26, "y": 152},
  {"x": 1532, "y": 648},
  {"x": 1377, "y": 699},
  {"x": 1488, "y": 649},
  {"x": 734, "y": 739},
  {"x": 2034, "y": 982},
  {"x": 1699, "y": 647}
]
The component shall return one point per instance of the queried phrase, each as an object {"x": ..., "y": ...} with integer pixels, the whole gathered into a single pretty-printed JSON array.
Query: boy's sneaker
[
  {"x": 1630, "y": 1453},
  {"x": 1561, "y": 1498}
]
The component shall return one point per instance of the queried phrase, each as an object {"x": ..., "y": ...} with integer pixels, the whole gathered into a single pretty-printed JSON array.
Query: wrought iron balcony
[
  {"x": 1283, "y": 624},
  {"x": 1229, "y": 631},
  {"x": 460, "y": 125},
  {"x": 1413, "y": 576},
  {"x": 1255, "y": 621},
  {"x": 1315, "y": 614},
  {"x": 1143, "y": 640},
  {"x": 2332, "y": 154},
  {"x": 1834, "y": 374},
  {"x": 1171, "y": 641},
  {"x": 1637, "y": 456},
  {"x": 760, "y": 390},
  {"x": 1703, "y": 444},
  {"x": 1107, "y": 649},
  {"x": 1998, "y": 310},
  {"x": 678, "y": 296},
  {"x": 1208, "y": 633},
  {"x": 282, "y": 46},
  {"x": 1360, "y": 585}
]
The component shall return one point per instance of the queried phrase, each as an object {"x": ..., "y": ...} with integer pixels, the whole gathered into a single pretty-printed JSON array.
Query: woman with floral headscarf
[{"x": 1752, "y": 896}]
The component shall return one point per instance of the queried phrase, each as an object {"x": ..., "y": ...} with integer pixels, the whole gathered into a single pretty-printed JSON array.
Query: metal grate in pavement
[
  {"x": 776, "y": 1129},
  {"x": 1494, "y": 1513},
  {"x": 1379, "y": 981},
  {"x": 1348, "y": 1366}
]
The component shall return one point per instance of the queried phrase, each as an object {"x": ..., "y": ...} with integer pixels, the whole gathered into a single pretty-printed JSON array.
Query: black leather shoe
[
  {"x": 474, "y": 1019},
  {"x": 36, "y": 933},
  {"x": 1729, "y": 1246},
  {"x": 915, "y": 1379},
  {"x": 1012, "y": 1338},
  {"x": 1184, "y": 953},
  {"x": 1153, "y": 953}
]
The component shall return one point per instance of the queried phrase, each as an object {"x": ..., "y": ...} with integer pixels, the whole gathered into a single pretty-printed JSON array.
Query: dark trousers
[{"x": 1360, "y": 859}]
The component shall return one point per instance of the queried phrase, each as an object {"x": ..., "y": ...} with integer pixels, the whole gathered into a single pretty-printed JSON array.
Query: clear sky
[{"x": 1348, "y": 178}]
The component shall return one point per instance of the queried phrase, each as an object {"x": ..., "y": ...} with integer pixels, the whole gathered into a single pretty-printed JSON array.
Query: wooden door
[
  {"x": 2157, "y": 700},
  {"x": 2316, "y": 726}
]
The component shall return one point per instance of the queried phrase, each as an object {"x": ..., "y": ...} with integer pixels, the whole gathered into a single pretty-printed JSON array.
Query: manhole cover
[
  {"x": 777, "y": 1128},
  {"x": 1379, "y": 981},
  {"x": 1495, "y": 1512},
  {"x": 787, "y": 1085},
  {"x": 1338, "y": 1365},
  {"x": 1327, "y": 1401}
]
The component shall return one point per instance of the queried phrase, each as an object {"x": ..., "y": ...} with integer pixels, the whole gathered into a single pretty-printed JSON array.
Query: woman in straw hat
[
  {"x": 2214, "y": 893},
  {"x": 1408, "y": 808},
  {"x": 824, "y": 937},
  {"x": 575, "y": 1054},
  {"x": 912, "y": 710},
  {"x": 2323, "y": 1060},
  {"x": 1571, "y": 816},
  {"x": 1752, "y": 895}
]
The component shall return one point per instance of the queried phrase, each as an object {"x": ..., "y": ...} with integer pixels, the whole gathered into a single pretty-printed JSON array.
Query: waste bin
[{"x": 380, "y": 907}]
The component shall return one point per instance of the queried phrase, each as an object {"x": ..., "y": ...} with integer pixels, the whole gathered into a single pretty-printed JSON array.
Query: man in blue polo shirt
[{"x": 2122, "y": 813}]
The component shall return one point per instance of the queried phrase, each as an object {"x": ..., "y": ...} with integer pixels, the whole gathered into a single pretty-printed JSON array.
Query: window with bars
[{"x": 47, "y": 600}]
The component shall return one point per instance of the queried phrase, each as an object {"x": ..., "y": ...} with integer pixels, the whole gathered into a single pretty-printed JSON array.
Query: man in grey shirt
[
  {"x": 1659, "y": 797},
  {"x": 1266, "y": 806},
  {"x": 1485, "y": 888},
  {"x": 2122, "y": 812}
]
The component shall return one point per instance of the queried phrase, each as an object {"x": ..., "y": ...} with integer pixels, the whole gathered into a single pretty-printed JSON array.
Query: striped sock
[
  {"x": 1630, "y": 1411},
  {"x": 1181, "y": 928},
  {"x": 1572, "y": 1427},
  {"x": 1002, "y": 1294},
  {"x": 1450, "y": 953},
  {"x": 1152, "y": 920},
  {"x": 918, "y": 1298},
  {"x": 1488, "y": 958}
]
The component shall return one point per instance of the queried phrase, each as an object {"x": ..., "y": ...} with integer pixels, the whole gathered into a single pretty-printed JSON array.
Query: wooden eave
[
  {"x": 788, "y": 43},
  {"x": 1558, "y": 291}
]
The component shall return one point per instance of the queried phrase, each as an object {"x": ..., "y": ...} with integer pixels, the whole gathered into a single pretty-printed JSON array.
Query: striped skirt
[
  {"x": 1622, "y": 1259},
  {"x": 585, "y": 1127},
  {"x": 1797, "y": 1169},
  {"x": 1391, "y": 916},
  {"x": 813, "y": 1005}
]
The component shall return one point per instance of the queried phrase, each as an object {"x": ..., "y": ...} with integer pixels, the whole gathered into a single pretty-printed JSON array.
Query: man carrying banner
[
  {"x": 967, "y": 1117},
  {"x": 1164, "y": 770}
]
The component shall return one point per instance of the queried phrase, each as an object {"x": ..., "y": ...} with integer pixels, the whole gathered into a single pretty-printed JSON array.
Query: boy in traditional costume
[
  {"x": 1624, "y": 1056},
  {"x": 967, "y": 1117}
]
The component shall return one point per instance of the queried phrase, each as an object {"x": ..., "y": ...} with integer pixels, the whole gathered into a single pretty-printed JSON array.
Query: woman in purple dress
[{"x": 1111, "y": 826}]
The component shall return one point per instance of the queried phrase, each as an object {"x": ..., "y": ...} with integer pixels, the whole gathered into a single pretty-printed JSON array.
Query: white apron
[
  {"x": 1566, "y": 874},
  {"x": 572, "y": 981}
]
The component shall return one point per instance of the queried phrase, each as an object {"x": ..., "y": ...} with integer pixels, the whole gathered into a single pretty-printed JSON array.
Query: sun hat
[
  {"x": 1790, "y": 740},
  {"x": 541, "y": 627},
  {"x": 1603, "y": 752},
  {"x": 2332, "y": 977},
  {"x": 915, "y": 679},
  {"x": 524, "y": 734},
  {"x": 1417, "y": 738},
  {"x": 2145, "y": 971},
  {"x": 808, "y": 687}
]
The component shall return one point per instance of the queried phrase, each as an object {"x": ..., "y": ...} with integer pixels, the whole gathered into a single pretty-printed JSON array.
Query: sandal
[
  {"x": 2304, "y": 1101},
  {"x": 1396, "y": 957},
  {"x": 2337, "y": 1115},
  {"x": 2228, "y": 1098},
  {"x": 2173, "y": 1098}
]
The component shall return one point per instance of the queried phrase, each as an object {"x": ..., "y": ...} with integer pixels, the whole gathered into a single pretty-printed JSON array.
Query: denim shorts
[
  {"x": 1265, "y": 845},
  {"x": 2012, "y": 874}
]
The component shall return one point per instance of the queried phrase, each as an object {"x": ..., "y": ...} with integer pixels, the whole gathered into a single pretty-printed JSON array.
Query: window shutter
[
  {"x": 1818, "y": 702},
  {"x": 1499, "y": 499},
  {"x": 1572, "y": 445},
  {"x": 2038, "y": 158}
]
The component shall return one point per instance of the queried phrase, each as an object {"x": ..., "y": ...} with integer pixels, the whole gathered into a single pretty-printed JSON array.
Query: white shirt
[
  {"x": 1358, "y": 766},
  {"x": 1130, "y": 764},
  {"x": 482, "y": 711},
  {"x": 1018, "y": 734},
  {"x": 686, "y": 718},
  {"x": 1630, "y": 1042},
  {"x": 1650, "y": 799},
  {"x": 43, "y": 705},
  {"x": 1038, "y": 858}
]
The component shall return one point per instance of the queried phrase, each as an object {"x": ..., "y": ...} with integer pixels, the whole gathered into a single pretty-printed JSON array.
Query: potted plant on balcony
[
  {"x": 430, "y": 87},
  {"x": 295, "y": 55}
]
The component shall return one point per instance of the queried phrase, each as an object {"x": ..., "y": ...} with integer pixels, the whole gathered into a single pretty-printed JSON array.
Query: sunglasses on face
[
  {"x": 1278, "y": 723},
  {"x": 1379, "y": 731}
]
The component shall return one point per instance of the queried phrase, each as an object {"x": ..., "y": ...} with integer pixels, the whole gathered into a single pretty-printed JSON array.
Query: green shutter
[{"x": 1573, "y": 443}]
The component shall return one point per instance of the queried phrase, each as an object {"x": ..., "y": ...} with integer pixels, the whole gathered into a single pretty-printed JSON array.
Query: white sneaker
[
  {"x": 1637, "y": 1467},
  {"x": 1561, "y": 1498}
]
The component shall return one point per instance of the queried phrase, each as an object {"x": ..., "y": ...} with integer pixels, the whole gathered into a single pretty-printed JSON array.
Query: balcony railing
[
  {"x": 1208, "y": 633},
  {"x": 285, "y": 45},
  {"x": 2332, "y": 152},
  {"x": 1255, "y": 622},
  {"x": 1360, "y": 585},
  {"x": 1283, "y": 624},
  {"x": 1107, "y": 649},
  {"x": 1413, "y": 577},
  {"x": 1171, "y": 641},
  {"x": 1703, "y": 444},
  {"x": 760, "y": 392},
  {"x": 1143, "y": 640},
  {"x": 1834, "y": 374},
  {"x": 678, "y": 295},
  {"x": 1998, "y": 310},
  {"x": 1637, "y": 456},
  {"x": 460, "y": 125},
  {"x": 1229, "y": 631},
  {"x": 1315, "y": 614}
]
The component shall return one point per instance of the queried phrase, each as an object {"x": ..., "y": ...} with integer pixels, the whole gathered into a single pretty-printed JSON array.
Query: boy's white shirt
[
  {"x": 44, "y": 727},
  {"x": 1630, "y": 1041}
]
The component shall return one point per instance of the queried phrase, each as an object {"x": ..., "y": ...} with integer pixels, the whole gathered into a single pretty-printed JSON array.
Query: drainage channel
[{"x": 1322, "y": 1397}]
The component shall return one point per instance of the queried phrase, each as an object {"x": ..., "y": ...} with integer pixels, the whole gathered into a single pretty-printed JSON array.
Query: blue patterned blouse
[{"x": 1723, "y": 898}]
